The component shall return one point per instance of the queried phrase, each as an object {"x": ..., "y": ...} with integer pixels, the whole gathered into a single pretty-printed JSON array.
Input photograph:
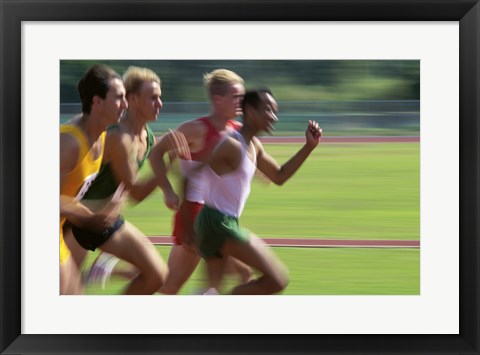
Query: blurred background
[
  {"x": 347, "y": 190},
  {"x": 347, "y": 97}
]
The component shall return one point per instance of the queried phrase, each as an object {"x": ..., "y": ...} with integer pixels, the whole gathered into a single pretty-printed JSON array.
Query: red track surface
[
  {"x": 346, "y": 139},
  {"x": 352, "y": 139},
  {"x": 319, "y": 243}
]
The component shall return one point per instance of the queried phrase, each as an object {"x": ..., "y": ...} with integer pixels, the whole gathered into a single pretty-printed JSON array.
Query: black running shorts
[{"x": 90, "y": 240}]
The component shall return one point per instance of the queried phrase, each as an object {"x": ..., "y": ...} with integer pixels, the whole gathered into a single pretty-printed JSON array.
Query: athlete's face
[
  {"x": 230, "y": 104},
  {"x": 265, "y": 116},
  {"x": 114, "y": 103},
  {"x": 147, "y": 103}
]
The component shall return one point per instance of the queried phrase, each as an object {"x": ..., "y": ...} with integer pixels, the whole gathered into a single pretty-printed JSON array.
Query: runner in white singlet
[{"x": 227, "y": 186}]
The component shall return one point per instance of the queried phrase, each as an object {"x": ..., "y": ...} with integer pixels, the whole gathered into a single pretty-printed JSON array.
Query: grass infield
[{"x": 343, "y": 191}]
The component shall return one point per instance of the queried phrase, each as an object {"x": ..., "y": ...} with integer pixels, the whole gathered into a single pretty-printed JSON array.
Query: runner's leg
[
  {"x": 182, "y": 262},
  {"x": 78, "y": 252},
  {"x": 258, "y": 255},
  {"x": 131, "y": 245},
  {"x": 70, "y": 280}
]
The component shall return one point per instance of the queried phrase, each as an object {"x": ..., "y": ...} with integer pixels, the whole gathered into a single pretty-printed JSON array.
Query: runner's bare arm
[
  {"x": 226, "y": 157},
  {"x": 124, "y": 167},
  {"x": 175, "y": 143},
  {"x": 277, "y": 173},
  {"x": 74, "y": 211}
]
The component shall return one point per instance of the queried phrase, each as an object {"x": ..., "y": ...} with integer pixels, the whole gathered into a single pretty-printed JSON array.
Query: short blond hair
[
  {"x": 219, "y": 81},
  {"x": 134, "y": 77}
]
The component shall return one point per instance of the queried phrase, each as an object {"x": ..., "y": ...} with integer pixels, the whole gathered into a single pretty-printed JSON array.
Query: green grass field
[
  {"x": 343, "y": 191},
  {"x": 322, "y": 271}
]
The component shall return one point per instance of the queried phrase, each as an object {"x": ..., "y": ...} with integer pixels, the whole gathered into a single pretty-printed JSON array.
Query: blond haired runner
[
  {"x": 127, "y": 147},
  {"x": 81, "y": 149},
  {"x": 225, "y": 90}
]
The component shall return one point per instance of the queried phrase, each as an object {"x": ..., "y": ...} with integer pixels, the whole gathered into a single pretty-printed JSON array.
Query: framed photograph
[{"x": 39, "y": 39}]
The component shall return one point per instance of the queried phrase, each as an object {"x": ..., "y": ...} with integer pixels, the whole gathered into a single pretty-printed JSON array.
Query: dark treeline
[{"x": 290, "y": 80}]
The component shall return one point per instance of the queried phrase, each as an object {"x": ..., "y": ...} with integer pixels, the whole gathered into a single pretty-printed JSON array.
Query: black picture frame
[{"x": 13, "y": 12}]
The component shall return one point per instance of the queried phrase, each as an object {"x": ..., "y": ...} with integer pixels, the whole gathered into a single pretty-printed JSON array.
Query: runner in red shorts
[{"x": 226, "y": 90}]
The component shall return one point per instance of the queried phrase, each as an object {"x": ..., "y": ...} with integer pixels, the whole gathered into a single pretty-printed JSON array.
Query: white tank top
[
  {"x": 228, "y": 193},
  {"x": 195, "y": 186}
]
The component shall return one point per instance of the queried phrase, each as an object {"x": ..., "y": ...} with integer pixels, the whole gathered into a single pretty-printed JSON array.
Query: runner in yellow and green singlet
[{"x": 81, "y": 151}]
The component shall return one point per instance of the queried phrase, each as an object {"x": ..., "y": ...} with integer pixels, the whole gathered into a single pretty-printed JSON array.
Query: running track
[
  {"x": 318, "y": 243},
  {"x": 329, "y": 243},
  {"x": 343, "y": 139}
]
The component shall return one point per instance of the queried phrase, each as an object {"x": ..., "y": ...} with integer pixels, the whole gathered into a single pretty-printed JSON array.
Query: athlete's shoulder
[
  {"x": 114, "y": 128},
  {"x": 257, "y": 143},
  {"x": 70, "y": 150},
  {"x": 231, "y": 143},
  {"x": 72, "y": 137},
  {"x": 229, "y": 151},
  {"x": 69, "y": 141},
  {"x": 234, "y": 124},
  {"x": 197, "y": 126},
  {"x": 196, "y": 121},
  {"x": 117, "y": 133}
]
